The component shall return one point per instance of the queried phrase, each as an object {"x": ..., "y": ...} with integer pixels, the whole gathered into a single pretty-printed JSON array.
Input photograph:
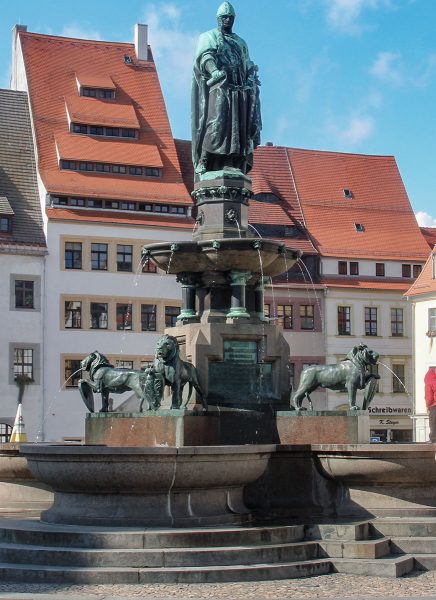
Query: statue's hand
[{"x": 216, "y": 76}]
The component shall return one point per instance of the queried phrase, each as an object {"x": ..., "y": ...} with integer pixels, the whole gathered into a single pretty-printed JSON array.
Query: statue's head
[{"x": 226, "y": 16}]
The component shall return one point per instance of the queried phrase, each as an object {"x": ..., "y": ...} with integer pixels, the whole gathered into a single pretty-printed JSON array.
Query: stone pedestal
[
  {"x": 241, "y": 364},
  {"x": 323, "y": 427},
  {"x": 180, "y": 428}
]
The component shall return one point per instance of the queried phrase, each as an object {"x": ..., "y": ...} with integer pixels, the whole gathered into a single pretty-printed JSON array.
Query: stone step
[
  {"x": 425, "y": 562},
  {"x": 356, "y": 549},
  {"x": 170, "y": 557},
  {"x": 404, "y": 527},
  {"x": 40, "y": 534},
  {"x": 359, "y": 530},
  {"x": 388, "y": 566},
  {"x": 258, "y": 572},
  {"x": 413, "y": 545}
]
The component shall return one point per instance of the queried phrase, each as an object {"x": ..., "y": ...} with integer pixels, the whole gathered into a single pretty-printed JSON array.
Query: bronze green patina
[
  {"x": 349, "y": 375},
  {"x": 226, "y": 120},
  {"x": 169, "y": 369},
  {"x": 104, "y": 379}
]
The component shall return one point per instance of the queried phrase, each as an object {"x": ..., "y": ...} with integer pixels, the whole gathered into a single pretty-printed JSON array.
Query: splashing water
[
  {"x": 396, "y": 376},
  {"x": 299, "y": 263},
  {"x": 255, "y": 230}
]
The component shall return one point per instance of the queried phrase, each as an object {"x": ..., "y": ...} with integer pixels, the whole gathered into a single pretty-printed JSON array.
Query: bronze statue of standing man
[{"x": 226, "y": 121}]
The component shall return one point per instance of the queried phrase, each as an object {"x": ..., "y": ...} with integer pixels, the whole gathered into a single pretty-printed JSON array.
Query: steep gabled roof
[
  {"x": 378, "y": 201},
  {"x": 429, "y": 234},
  {"x": 18, "y": 182},
  {"x": 426, "y": 282},
  {"x": 52, "y": 67}
]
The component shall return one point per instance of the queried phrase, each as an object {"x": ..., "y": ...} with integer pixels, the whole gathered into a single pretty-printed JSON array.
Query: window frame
[
  {"x": 96, "y": 255},
  {"x": 396, "y": 323},
  {"x": 397, "y": 388},
  {"x": 149, "y": 317},
  {"x": 124, "y": 253},
  {"x": 307, "y": 308},
  {"x": 127, "y": 316},
  {"x": 73, "y": 314},
  {"x": 345, "y": 321},
  {"x": 380, "y": 269},
  {"x": 93, "y": 314},
  {"x": 77, "y": 253},
  {"x": 171, "y": 317},
  {"x": 24, "y": 305},
  {"x": 370, "y": 330}
]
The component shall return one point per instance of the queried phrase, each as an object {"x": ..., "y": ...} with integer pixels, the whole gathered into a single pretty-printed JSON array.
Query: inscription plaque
[{"x": 240, "y": 380}]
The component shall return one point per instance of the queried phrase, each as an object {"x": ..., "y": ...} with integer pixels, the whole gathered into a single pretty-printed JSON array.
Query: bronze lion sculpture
[
  {"x": 350, "y": 375},
  {"x": 169, "y": 369},
  {"x": 104, "y": 378}
]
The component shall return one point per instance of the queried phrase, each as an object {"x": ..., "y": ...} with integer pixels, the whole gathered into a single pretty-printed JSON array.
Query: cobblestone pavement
[{"x": 336, "y": 585}]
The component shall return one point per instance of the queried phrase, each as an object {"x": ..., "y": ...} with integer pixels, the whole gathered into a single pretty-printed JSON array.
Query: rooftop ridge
[
  {"x": 336, "y": 152},
  {"x": 73, "y": 39}
]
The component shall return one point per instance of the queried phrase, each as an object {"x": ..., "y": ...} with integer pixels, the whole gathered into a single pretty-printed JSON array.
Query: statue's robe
[{"x": 226, "y": 120}]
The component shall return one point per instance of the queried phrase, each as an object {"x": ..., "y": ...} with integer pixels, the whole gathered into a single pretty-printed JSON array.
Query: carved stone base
[{"x": 323, "y": 427}]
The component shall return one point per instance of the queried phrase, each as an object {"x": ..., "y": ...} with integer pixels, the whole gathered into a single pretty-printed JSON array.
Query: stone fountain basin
[
  {"x": 166, "y": 486},
  {"x": 242, "y": 254},
  {"x": 394, "y": 480}
]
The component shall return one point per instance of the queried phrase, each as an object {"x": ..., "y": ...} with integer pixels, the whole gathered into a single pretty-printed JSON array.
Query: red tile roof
[
  {"x": 365, "y": 284},
  {"x": 426, "y": 282},
  {"x": 91, "y": 80},
  {"x": 122, "y": 218},
  {"x": 92, "y": 111},
  {"x": 379, "y": 202},
  {"x": 97, "y": 149},
  {"x": 51, "y": 66},
  {"x": 429, "y": 234}
]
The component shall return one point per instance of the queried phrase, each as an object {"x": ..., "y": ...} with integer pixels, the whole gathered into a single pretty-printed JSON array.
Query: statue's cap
[{"x": 226, "y": 9}]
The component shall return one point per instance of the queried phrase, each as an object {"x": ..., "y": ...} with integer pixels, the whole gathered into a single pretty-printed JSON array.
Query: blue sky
[{"x": 343, "y": 75}]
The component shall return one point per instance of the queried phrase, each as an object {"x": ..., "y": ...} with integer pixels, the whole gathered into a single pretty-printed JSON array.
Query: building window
[
  {"x": 69, "y": 165},
  {"x": 432, "y": 320},
  {"x": 161, "y": 208},
  {"x": 99, "y": 254},
  {"x": 406, "y": 270},
  {"x": 348, "y": 194},
  {"x": 78, "y": 128},
  {"x": 77, "y": 202},
  {"x": 72, "y": 372},
  {"x": 93, "y": 130},
  {"x": 102, "y": 168},
  {"x": 354, "y": 268},
  {"x": 73, "y": 255},
  {"x": 135, "y": 170},
  {"x": 171, "y": 314},
  {"x": 128, "y": 206},
  {"x": 89, "y": 92},
  {"x": 267, "y": 310},
  {"x": 94, "y": 203},
  {"x": 5, "y": 224},
  {"x": 307, "y": 319},
  {"x": 106, "y": 94},
  {"x": 284, "y": 314},
  {"x": 398, "y": 379},
  {"x": 397, "y": 322},
  {"x": 416, "y": 270},
  {"x": 344, "y": 320},
  {"x": 124, "y": 317},
  {"x": 151, "y": 172},
  {"x": 24, "y": 294},
  {"x": 342, "y": 267},
  {"x": 112, "y": 131},
  {"x": 73, "y": 314},
  {"x": 359, "y": 227},
  {"x": 129, "y": 133},
  {"x": 149, "y": 267},
  {"x": 124, "y": 258},
  {"x": 178, "y": 210},
  {"x": 370, "y": 320},
  {"x": 148, "y": 317},
  {"x": 124, "y": 364},
  {"x": 380, "y": 269},
  {"x": 23, "y": 362},
  {"x": 5, "y": 433},
  {"x": 99, "y": 315}
]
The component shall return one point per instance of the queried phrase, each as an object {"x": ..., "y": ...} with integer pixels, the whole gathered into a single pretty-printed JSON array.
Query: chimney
[{"x": 141, "y": 41}]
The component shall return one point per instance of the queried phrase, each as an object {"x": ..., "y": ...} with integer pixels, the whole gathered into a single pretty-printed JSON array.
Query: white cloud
[
  {"x": 345, "y": 15},
  {"x": 74, "y": 30},
  {"x": 354, "y": 130},
  {"x": 387, "y": 68},
  {"x": 425, "y": 220},
  {"x": 172, "y": 47}
]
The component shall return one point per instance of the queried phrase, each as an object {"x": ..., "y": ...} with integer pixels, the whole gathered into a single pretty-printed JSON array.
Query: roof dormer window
[
  {"x": 96, "y": 93},
  {"x": 348, "y": 194},
  {"x": 359, "y": 227},
  {"x": 6, "y": 214},
  {"x": 5, "y": 224}
]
